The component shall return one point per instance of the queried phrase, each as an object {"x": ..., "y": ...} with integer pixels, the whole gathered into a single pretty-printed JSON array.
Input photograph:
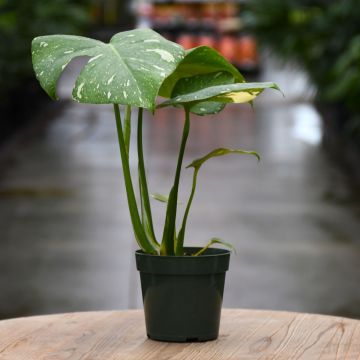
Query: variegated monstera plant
[{"x": 132, "y": 70}]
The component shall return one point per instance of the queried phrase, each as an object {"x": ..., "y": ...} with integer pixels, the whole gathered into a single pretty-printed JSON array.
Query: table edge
[{"x": 138, "y": 311}]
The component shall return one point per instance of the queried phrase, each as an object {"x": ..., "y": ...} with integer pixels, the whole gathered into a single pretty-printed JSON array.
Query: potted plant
[{"x": 182, "y": 287}]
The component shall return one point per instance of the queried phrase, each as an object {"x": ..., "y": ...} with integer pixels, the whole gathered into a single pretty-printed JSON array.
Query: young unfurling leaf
[{"x": 196, "y": 164}]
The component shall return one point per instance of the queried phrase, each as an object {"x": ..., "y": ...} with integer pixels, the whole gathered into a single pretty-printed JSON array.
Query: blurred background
[{"x": 66, "y": 242}]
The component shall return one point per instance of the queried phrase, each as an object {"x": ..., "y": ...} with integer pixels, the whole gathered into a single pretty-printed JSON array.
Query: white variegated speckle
[
  {"x": 217, "y": 75},
  {"x": 111, "y": 79},
  {"x": 41, "y": 73},
  {"x": 78, "y": 93},
  {"x": 151, "y": 41},
  {"x": 162, "y": 74},
  {"x": 125, "y": 94},
  {"x": 138, "y": 60},
  {"x": 165, "y": 55},
  {"x": 130, "y": 35},
  {"x": 43, "y": 44},
  {"x": 68, "y": 51},
  {"x": 108, "y": 94},
  {"x": 128, "y": 83},
  {"x": 158, "y": 67},
  {"x": 202, "y": 109},
  {"x": 95, "y": 57},
  {"x": 97, "y": 86}
]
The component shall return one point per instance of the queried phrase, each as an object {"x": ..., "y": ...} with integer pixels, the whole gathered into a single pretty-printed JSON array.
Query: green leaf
[
  {"x": 128, "y": 70},
  {"x": 200, "y": 60},
  {"x": 230, "y": 93},
  {"x": 196, "y": 164},
  {"x": 160, "y": 197},
  {"x": 198, "y": 82},
  {"x": 221, "y": 152},
  {"x": 215, "y": 241}
]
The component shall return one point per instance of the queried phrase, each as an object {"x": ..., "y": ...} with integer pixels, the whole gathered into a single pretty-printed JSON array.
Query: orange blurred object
[
  {"x": 246, "y": 51},
  {"x": 207, "y": 40},
  {"x": 227, "y": 47},
  {"x": 187, "y": 41}
]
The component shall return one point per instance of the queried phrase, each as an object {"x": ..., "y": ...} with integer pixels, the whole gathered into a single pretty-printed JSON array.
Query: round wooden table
[{"x": 244, "y": 334}]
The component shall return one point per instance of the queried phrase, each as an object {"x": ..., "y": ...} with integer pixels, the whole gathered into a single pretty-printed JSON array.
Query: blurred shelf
[
  {"x": 213, "y": 23},
  {"x": 196, "y": 1}
]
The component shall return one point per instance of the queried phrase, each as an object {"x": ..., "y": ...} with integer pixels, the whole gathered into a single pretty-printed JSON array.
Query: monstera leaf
[
  {"x": 201, "y": 67},
  {"x": 199, "y": 82},
  {"x": 128, "y": 70},
  {"x": 231, "y": 93},
  {"x": 200, "y": 60}
]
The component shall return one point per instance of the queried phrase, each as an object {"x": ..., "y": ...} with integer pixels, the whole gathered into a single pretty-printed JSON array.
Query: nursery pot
[{"x": 182, "y": 295}]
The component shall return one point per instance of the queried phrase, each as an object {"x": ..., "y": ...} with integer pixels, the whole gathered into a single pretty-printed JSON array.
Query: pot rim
[{"x": 217, "y": 252}]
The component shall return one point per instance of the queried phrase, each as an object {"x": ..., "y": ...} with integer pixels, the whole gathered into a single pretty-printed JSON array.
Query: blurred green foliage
[
  {"x": 323, "y": 37},
  {"x": 20, "y": 22}
]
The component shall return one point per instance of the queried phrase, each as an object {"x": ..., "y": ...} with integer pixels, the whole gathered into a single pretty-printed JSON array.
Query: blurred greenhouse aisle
[{"x": 65, "y": 230}]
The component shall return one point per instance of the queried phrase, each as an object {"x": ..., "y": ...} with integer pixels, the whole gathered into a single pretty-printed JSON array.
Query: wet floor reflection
[{"x": 66, "y": 242}]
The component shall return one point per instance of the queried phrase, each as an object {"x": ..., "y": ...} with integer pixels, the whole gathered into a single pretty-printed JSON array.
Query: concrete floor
[{"x": 66, "y": 242}]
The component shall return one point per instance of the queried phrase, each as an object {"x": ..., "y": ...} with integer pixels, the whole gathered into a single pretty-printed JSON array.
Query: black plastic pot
[{"x": 183, "y": 295}]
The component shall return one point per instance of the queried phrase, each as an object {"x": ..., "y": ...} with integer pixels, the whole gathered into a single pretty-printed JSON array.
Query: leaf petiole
[{"x": 140, "y": 234}]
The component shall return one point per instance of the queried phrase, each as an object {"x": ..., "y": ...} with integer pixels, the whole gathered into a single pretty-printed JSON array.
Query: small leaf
[
  {"x": 196, "y": 164},
  {"x": 160, "y": 197},
  {"x": 221, "y": 152},
  {"x": 129, "y": 70},
  {"x": 198, "y": 82},
  {"x": 200, "y": 60},
  {"x": 239, "y": 93},
  {"x": 215, "y": 241}
]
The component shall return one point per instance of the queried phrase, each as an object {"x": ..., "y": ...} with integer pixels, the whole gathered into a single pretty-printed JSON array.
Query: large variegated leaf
[
  {"x": 231, "y": 93},
  {"x": 128, "y": 70},
  {"x": 198, "y": 82},
  {"x": 200, "y": 60}
]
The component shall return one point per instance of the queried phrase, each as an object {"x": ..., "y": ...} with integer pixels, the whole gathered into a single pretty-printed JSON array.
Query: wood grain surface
[{"x": 244, "y": 334}]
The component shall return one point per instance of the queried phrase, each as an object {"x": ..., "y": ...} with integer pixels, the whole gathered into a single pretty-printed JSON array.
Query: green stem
[
  {"x": 127, "y": 128},
  {"x": 144, "y": 192},
  {"x": 169, "y": 235},
  {"x": 180, "y": 239},
  {"x": 140, "y": 234}
]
